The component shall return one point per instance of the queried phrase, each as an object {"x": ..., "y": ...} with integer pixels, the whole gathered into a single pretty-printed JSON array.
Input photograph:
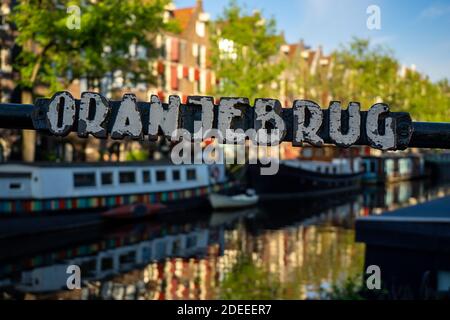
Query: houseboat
[
  {"x": 438, "y": 164},
  {"x": 51, "y": 187},
  {"x": 316, "y": 171},
  {"x": 392, "y": 167}
]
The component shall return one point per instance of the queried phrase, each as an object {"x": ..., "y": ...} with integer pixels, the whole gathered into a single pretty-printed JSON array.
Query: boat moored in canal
[
  {"x": 51, "y": 187},
  {"x": 314, "y": 173},
  {"x": 391, "y": 167},
  {"x": 222, "y": 201}
]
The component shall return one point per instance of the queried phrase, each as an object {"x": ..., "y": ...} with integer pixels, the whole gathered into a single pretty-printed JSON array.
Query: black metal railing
[{"x": 415, "y": 134}]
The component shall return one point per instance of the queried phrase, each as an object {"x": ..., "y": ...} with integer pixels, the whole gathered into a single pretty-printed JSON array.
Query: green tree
[
  {"x": 370, "y": 74},
  {"x": 364, "y": 73},
  {"x": 300, "y": 81},
  {"x": 426, "y": 101},
  {"x": 244, "y": 53},
  {"x": 55, "y": 53}
]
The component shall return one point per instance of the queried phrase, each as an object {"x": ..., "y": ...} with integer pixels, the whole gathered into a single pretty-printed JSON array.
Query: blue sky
[{"x": 417, "y": 30}]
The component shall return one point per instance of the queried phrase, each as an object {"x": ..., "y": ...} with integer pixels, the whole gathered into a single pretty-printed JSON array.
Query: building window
[
  {"x": 176, "y": 175},
  {"x": 146, "y": 176},
  {"x": 163, "y": 51},
  {"x": 127, "y": 177},
  {"x": 15, "y": 186},
  {"x": 307, "y": 152},
  {"x": 174, "y": 77},
  {"x": 200, "y": 28},
  {"x": 199, "y": 56},
  {"x": 160, "y": 175},
  {"x": 175, "y": 50},
  {"x": 191, "y": 174},
  {"x": 84, "y": 180},
  {"x": 107, "y": 178},
  {"x": 202, "y": 55},
  {"x": 195, "y": 52}
]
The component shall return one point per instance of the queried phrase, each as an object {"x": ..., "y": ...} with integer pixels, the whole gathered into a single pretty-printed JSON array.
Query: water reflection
[{"x": 294, "y": 252}]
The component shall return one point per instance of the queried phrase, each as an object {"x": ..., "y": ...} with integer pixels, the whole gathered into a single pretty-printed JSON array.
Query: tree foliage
[
  {"x": 245, "y": 48},
  {"x": 54, "y": 55},
  {"x": 370, "y": 74}
]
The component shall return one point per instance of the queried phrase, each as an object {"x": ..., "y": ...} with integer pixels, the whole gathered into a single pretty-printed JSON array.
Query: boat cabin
[
  {"x": 390, "y": 168},
  {"x": 73, "y": 180}
]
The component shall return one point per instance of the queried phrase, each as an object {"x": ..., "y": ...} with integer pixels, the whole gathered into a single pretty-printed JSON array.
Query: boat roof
[
  {"x": 392, "y": 156},
  {"x": 48, "y": 164}
]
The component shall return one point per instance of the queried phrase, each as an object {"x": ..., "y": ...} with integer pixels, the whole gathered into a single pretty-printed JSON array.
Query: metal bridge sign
[{"x": 304, "y": 122}]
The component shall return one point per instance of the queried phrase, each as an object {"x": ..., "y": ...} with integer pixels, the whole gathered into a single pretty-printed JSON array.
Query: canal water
[{"x": 303, "y": 249}]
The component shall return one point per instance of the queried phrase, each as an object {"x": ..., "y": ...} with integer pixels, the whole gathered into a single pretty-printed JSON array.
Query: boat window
[
  {"x": 107, "y": 178},
  {"x": 160, "y": 175},
  {"x": 106, "y": 264},
  {"x": 129, "y": 257},
  {"x": 84, "y": 179},
  {"x": 146, "y": 254},
  {"x": 15, "y": 186},
  {"x": 334, "y": 170},
  {"x": 191, "y": 241},
  {"x": 176, "y": 247},
  {"x": 176, "y": 175},
  {"x": 160, "y": 250},
  {"x": 89, "y": 267},
  {"x": 127, "y": 177},
  {"x": 15, "y": 175},
  {"x": 191, "y": 174},
  {"x": 372, "y": 166},
  {"x": 146, "y": 176}
]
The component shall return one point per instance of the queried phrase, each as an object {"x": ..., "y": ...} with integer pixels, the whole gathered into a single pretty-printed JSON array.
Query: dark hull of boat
[
  {"x": 49, "y": 222},
  {"x": 292, "y": 182}
]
